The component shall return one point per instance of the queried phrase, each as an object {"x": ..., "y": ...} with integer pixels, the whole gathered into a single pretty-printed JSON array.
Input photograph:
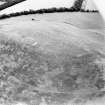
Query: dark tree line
[
  {"x": 41, "y": 11},
  {"x": 77, "y": 7}
]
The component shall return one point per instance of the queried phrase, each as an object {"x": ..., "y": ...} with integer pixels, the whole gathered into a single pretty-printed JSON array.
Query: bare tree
[{"x": 77, "y": 5}]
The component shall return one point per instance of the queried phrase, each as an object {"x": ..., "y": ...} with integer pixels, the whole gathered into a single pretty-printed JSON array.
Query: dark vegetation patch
[
  {"x": 24, "y": 72},
  {"x": 9, "y": 3},
  {"x": 41, "y": 11}
]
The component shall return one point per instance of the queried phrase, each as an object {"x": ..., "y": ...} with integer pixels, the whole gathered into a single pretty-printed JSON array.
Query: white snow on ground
[{"x": 66, "y": 33}]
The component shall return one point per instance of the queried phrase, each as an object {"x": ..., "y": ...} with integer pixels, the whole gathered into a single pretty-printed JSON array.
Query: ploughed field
[{"x": 52, "y": 59}]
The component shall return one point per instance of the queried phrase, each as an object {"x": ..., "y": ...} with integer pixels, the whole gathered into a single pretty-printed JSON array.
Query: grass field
[{"x": 52, "y": 59}]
